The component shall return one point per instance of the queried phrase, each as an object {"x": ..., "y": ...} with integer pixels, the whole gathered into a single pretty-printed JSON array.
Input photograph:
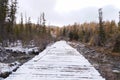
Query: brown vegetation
[{"x": 104, "y": 35}]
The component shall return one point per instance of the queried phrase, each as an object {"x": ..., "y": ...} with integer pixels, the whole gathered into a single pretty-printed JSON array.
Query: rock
[
  {"x": 5, "y": 74},
  {"x": 96, "y": 66},
  {"x": 35, "y": 53}
]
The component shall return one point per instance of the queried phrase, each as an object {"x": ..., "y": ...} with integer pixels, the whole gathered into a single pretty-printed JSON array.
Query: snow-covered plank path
[{"x": 57, "y": 62}]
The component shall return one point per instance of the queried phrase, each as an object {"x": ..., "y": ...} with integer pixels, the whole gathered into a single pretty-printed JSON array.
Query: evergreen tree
[
  {"x": 43, "y": 21},
  {"x": 29, "y": 28},
  {"x": 119, "y": 22},
  {"x": 21, "y": 23},
  {"x": 71, "y": 35},
  {"x": 116, "y": 47},
  {"x": 3, "y": 16},
  {"x": 21, "y": 27},
  {"x": 101, "y": 33},
  {"x": 64, "y": 32},
  {"x": 112, "y": 27},
  {"x": 13, "y": 10},
  {"x": 12, "y": 19}
]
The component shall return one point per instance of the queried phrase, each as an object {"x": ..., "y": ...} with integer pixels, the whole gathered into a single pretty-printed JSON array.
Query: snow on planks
[{"x": 57, "y": 62}]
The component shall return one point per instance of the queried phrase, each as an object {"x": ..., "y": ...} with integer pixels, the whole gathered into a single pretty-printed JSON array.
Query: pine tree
[
  {"x": 3, "y": 16},
  {"x": 116, "y": 47},
  {"x": 119, "y": 22},
  {"x": 101, "y": 33},
  {"x": 43, "y": 21},
  {"x": 21, "y": 27},
  {"x": 71, "y": 36},
  {"x": 64, "y": 32},
  {"x": 13, "y": 10},
  {"x": 12, "y": 19},
  {"x": 29, "y": 28}
]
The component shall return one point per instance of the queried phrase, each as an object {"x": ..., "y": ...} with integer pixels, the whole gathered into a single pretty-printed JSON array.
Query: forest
[
  {"x": 103, "y": 34},
  {"x": 10, "y": 31}
]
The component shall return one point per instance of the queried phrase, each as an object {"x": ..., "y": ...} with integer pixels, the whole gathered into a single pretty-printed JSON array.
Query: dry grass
[{"x": 104, "y": 50}]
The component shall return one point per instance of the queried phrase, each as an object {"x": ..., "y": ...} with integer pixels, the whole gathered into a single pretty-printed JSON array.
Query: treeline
[
  {"x": 38, "y": 33},
  {"x": 103, "y": 34},
  {"x": 25, "y": 31}
]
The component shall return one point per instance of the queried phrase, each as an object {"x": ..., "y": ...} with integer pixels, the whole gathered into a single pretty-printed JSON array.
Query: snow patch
[
  {"x": 4, "y": 67},
  {"x": 18, "y": 47},
  {"x": 23, "y": 50}
]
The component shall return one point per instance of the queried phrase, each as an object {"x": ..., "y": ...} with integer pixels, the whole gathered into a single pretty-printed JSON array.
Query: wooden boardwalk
[{"x": 57, "y": 62}]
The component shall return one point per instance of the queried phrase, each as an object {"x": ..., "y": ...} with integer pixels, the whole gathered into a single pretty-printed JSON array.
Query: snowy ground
[
  {"x": 6, "y": 69},
  {"x": 57, "y": 62},
  {"x": 20, "y": 48}
]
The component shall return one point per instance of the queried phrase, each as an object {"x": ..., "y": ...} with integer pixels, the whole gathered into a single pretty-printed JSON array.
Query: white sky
[
  {"x": 72, "y": 5},
  {"x": 63, "y": 12}
]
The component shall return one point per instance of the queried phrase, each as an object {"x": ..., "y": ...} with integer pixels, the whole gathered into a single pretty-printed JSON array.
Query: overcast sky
[{"x": 64, "y": 12}]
